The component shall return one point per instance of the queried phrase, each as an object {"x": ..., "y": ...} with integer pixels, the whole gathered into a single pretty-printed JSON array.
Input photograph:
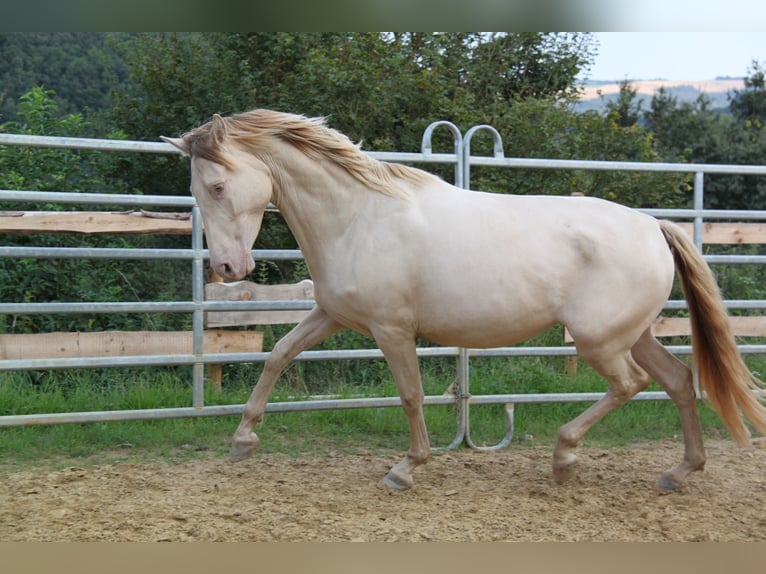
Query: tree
[
  {"x": 372, "y": 86},
  {"x": 747, "y": 143},
  {"x": 693, "y": 132},
  {"x": 748, "y": 106},
  {"x": 506, "y": 67},
  {"x": 686, "y": 132},
  {"x": 625, "y": 108},
  {"x": 80, "y": 67},
  {"x": 538, "y": 129},
  {"x": 50, "y": 169}
]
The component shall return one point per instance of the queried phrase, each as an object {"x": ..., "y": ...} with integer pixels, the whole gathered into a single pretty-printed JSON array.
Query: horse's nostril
[{"x": 225, "y": 270}]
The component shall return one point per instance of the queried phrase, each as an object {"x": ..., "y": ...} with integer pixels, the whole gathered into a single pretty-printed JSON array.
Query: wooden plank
[
  {"x": 249, "y": 291},
  {"x": 730, "y": 233},
  {"x": 751, "y": 326},
  {"x": 60, "y": 345},
  {"x": 129, "y": 222},
  {"x": 95, "y": 222},
  {"x": 672, "y": 327}
]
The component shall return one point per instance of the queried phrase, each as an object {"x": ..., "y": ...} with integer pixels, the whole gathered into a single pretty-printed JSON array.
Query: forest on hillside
[{"x": 381, "y": 89}]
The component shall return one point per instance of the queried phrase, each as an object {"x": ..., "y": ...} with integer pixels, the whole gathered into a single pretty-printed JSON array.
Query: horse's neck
[{"x": 318, "y": 200}]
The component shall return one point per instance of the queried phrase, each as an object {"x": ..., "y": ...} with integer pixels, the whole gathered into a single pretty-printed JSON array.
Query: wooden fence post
[{"x": 215, "y": 370}]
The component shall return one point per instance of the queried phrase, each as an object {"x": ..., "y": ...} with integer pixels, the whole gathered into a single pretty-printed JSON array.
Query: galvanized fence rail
[{"x": 462, "y": 398}]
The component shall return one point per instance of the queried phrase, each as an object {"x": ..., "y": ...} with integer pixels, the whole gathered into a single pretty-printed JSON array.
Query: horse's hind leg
[
  {"x": 625, "y": 379},
  {"x": 676, "y": 379}
]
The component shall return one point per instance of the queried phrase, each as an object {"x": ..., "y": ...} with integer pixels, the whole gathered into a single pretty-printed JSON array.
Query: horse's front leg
[
  {"x": 400, "y": 351},
  {"x": 315, "y": 327}
]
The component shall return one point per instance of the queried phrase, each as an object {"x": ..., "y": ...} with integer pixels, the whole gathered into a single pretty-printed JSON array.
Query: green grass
[{"x": 379, "y": 430}]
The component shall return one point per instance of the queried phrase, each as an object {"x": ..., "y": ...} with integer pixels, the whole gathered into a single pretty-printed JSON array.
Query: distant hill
[{"x": 595, "y": 94}]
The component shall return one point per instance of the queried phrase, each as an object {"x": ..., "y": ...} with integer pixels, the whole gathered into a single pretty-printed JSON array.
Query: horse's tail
[{"x": 722, "y": 373}]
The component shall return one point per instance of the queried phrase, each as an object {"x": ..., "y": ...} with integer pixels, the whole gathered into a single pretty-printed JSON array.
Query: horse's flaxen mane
[{"x": 311, "y": 136}]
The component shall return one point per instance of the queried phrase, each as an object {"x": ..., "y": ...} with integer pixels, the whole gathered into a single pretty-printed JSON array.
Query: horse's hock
[{"x": 217, "y": 340}]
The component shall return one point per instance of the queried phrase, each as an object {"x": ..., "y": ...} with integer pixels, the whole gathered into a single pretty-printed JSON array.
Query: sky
[{"x": 676, "y": 55}]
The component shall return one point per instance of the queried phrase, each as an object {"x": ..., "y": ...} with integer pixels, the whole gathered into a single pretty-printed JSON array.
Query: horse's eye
[{"x": 217, "y": 189}]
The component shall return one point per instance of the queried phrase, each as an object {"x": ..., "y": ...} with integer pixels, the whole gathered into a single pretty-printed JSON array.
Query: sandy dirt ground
[{"x": 458, "y": 496}]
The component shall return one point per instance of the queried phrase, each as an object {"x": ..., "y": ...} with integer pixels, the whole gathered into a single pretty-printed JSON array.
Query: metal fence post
[
  {"x": 464, "y": 355},
  {"x": 699, "y": 205},
  {"x": 461, "y": 388},
  {"x": 198, "y": 316}
]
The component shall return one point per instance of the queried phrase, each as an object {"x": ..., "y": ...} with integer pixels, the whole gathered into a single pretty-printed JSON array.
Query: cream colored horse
[{"x": 397, "y": 253}]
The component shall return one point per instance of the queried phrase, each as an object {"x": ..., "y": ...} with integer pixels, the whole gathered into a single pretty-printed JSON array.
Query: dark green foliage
[
  {"x": 49, "y": 169},
  {"x": 695, "y": 133},
  {"x": 79, "y": 66},
  {"x": 626, "y": 109},
  {"x": 39, "y": 280}
]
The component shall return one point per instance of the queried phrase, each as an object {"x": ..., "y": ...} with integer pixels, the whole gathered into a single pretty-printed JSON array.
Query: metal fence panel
[{"x": 196, "y": 254}]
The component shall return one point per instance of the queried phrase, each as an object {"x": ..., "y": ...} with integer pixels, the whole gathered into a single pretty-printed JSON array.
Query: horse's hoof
[
  {"x": 243, "y": 448},
  {"x": 564, "y": 471},
  {"x": 395, "y": 482},
  {"x": 667, "y": 483}
]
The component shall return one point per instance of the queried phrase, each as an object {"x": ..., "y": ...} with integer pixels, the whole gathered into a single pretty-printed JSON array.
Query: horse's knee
[
  {"x": 412, "y": 404},
  {"x": 278, "y": 354}
]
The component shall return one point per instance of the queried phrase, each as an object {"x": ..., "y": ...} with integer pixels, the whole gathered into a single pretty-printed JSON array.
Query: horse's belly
[
  {"x": 483, "y": 336},
  {"x": 480, "y": 322}
]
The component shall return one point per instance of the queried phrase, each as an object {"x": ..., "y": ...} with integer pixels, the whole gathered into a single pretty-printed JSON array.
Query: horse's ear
[
  {"x": 218, "y": 128},
  {"x": 180, "y": 143}
]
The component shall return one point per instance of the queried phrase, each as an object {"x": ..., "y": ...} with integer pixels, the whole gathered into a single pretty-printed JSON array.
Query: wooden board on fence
[
  {"x": 249, "y": 291},
  {"x": 730, "y": 233},
  {"x": 95, "y": 222},
  {"x": 752, "y": 326},
  {"x": 123, "y": 343}
]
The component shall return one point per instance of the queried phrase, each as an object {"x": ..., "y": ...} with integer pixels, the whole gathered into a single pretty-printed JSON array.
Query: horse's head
[{"x": 233, "y": 189}]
